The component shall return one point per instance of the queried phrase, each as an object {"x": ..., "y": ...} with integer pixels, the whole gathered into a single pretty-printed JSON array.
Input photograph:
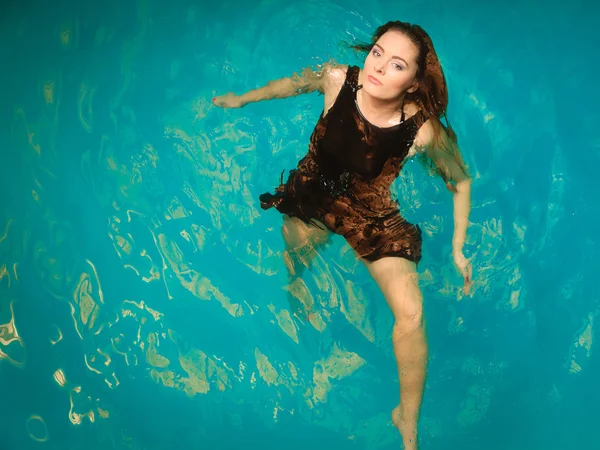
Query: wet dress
[{"x": 345, "y": 178}]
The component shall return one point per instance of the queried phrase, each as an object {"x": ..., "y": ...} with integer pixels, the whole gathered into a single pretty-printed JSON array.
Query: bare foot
[{"x": 408, "y": 429}]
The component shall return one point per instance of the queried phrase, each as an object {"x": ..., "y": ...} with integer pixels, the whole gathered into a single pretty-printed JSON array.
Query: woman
[{"x": 374, "y": 120}]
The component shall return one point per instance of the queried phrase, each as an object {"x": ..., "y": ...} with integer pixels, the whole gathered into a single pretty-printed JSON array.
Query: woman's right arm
[{"x": 309, "y": 80}]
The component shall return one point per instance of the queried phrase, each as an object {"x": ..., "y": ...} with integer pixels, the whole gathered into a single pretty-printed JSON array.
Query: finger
[
  {"x": 468, "y": 280},
  {"x": 464, "y": 271},
  {"x": 467, "y": 288}
]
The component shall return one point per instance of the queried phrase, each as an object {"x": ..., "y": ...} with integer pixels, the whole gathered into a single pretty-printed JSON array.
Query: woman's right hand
[{"x": 229, "y": 100}]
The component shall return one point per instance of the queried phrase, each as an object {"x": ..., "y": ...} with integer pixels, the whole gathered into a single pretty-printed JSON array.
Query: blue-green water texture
[{"x": 143, "y": 291}]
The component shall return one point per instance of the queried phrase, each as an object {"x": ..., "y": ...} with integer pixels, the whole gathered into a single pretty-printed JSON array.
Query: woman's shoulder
[
  {"x": 424, "y": 136},
  {"x": 334, "y": 75},
  {"x": 335, "y": 72}
]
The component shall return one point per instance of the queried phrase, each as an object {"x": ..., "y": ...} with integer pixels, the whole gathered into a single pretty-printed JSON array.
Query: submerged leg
[
  {"x": 301, "y": 246},
  {"x": 398, "y": 281}
]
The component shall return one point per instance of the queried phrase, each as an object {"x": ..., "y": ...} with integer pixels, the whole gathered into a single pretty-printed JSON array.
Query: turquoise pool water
[{"x": 142, "y": 288}]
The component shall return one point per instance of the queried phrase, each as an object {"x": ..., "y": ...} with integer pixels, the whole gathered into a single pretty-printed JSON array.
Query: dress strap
[
  {"x": 352, "y": 78},
  {"x": 420, "y": 118},
  {"x": 403, "y": 116},
  {"x": 347, "y": 94}
]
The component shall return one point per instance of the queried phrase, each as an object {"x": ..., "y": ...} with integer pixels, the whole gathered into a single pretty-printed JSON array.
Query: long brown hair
[{"x": 432, "y": 93}]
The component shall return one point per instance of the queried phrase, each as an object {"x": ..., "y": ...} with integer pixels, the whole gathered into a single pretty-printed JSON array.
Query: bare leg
[
  {"x": 398, "y": 281},
  {"x": 301, "y": 246}
]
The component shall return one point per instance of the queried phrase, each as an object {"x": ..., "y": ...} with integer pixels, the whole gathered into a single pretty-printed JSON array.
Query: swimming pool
[{"x": 142, "y": 289}]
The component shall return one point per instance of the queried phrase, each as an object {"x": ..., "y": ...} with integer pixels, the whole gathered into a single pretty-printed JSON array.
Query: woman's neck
[{"x": 378, "y": 111}]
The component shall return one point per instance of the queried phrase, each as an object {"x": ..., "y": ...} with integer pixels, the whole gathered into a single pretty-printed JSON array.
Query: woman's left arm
[
  {"x": 451, "y": 169},
  {"x": 458, "y": 182}
]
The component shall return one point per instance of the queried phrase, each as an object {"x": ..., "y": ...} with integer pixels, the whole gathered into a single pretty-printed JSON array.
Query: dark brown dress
[{"x": 344, "y": 180}]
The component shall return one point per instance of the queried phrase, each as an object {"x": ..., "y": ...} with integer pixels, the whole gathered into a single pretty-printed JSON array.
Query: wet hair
[{"x": 432, "y": 92}]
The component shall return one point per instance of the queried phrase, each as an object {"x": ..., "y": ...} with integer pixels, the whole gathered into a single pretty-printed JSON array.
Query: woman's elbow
[{"x": 463, "y": 185}]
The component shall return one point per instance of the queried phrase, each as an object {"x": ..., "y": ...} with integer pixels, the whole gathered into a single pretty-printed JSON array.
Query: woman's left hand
[{"x": 464, "y": 267}]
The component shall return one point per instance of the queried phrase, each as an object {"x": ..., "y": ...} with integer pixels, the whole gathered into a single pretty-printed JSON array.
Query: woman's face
[{"x": 390, "y": 69}]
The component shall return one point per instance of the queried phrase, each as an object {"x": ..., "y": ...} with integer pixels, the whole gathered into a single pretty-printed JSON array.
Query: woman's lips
[{"x": 374, "y": 80}]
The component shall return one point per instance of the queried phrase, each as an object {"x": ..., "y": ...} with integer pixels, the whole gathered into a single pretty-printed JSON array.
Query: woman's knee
[
  {"x": 409, "y": 318},
  {"x": 408, "y": 307},
  {"x": 293, "y": 233},
  {"x": 298, "y": 235},
  {"x": 402, "y": 292}
]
